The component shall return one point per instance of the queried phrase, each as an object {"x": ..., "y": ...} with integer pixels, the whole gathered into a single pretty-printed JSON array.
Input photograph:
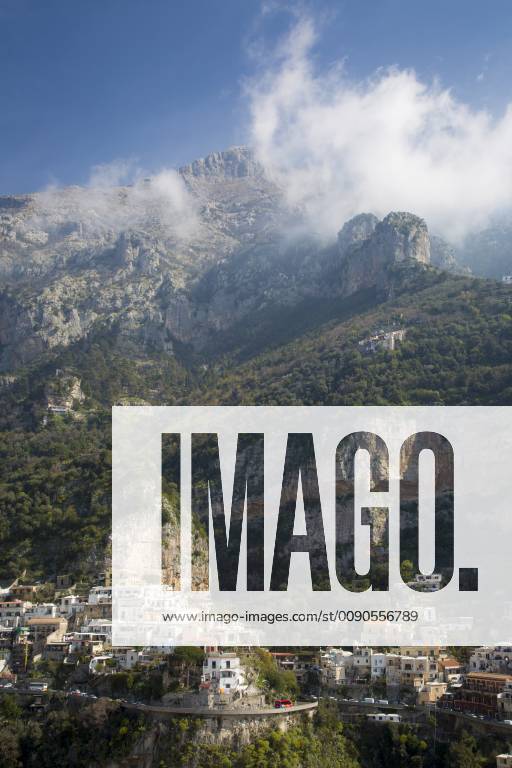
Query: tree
[
  {"x": 407, "y": 570},
  {"x": 9, "y": 708},
  {"x": 464, "y": 753},
  {"x": 10, "y": 753}
]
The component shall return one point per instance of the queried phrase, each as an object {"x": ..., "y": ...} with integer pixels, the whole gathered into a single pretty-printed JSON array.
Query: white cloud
[
  {"x": 117, "y": 198},
  {"x": 392, "y": 142}
]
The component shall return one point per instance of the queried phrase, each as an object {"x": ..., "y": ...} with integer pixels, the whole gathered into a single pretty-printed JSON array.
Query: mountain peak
[
  {"x": 405, "y": 236},
  {"x": 235, "y": 162},
  {"x": 356, "y": 230}
]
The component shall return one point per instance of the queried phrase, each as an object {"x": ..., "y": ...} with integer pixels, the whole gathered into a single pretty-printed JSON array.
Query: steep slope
[
  {"x": 72, "y": 259},
  {"x": 55, "y": 470},
  {"x": 179, "y": 258}
]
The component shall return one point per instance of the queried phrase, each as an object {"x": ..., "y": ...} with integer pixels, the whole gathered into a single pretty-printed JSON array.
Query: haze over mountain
[{"x": 184, "y": 256}]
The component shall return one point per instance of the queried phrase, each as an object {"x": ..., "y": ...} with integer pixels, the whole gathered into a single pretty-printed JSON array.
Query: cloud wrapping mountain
[{"x": 117, "y": 198}]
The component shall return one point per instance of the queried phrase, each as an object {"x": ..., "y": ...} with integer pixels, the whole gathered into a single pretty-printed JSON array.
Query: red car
[{"x": 283, "y": 703}]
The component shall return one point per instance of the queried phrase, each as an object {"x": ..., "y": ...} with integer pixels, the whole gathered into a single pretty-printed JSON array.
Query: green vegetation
[
  {"x": 87, "y": 736},
  {"x": 318, "y": 745},
  {"x": 272, "y": 679},
  {"x": 55, "y": 478},
  {"x": 458, "y": 350},
  {"x": 80, "y": 739}
]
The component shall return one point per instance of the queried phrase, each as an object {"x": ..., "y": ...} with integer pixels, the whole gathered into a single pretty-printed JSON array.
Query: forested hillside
[{"x": 55, "y": 468}]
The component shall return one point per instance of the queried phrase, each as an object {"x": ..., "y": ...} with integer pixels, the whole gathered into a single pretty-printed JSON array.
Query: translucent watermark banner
[{"x": 311, "y": 525}]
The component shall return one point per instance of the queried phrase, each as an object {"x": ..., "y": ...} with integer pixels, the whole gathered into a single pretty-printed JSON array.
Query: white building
[
  {"x": 225, "y": 670},
  {"x": 102, "y": 627},
  {"x": 427, "y": 583},
  {"x": 507, "y": 279},
  {"x": 70, "y": 604},
  {"x": 504, "y": 761},
  {"x": 339, "y": 656},
  {"x": 492, "y": 658},
  {"x": 100, "y": 595},
  {"x": 383, "y": 340},
  {"x": 334, "y": 664},
  {"x": 126, "y": 657},
  {"x": 41, "y": 609},
  {"x": 12, "y": 612},
  {"x": 505, "y": 702},
  {"x": 97, "y": 663},
  {"x": 378, "y": 665}
]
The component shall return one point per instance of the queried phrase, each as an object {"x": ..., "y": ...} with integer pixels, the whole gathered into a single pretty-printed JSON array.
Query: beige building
[
  {"x": 362, "y": 661},
  {"x": 431, "y": 692},
  {"x": 393, "y": 669},
  {"x": 432, "y": 651},
  {"x": 504, "y": 761},
  {"x": 23, "y": 591},
  {"x": 333, "y": 675},
  {"x": 42, "y": 626},
  {"x": 449, "y": 669},
  {"x": 417, "y": 671}
]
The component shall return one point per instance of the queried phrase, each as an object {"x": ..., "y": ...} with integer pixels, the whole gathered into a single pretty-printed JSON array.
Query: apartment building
[
  {"x": 479, "y": 693},
  {"x": 362, "y": 661},
  {"x": 42, "y": 626},
  {"x": 432, "y": 651},
  {"x": 225, "y": 671},
  {"x": 431, "y": 692},
  {"x": 416, "y": 671},
  {"x": 505, "y": 701},
  {"x": 70, "y": 604},
  {"x": 378, "y": 666},
  {"x": 393, "y": 669},
  {"x": 100, "y": 595},
  {"x": 12, "y": 612},
  {"x": 494, "y": 658},
  {"x": 23, "y": 591},
  {"x": 41, "y": 609},
  {"x": 450, "y": 669}
]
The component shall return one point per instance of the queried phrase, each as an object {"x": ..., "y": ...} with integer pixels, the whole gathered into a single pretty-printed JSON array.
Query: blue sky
[{"x": 85, "y": 82}]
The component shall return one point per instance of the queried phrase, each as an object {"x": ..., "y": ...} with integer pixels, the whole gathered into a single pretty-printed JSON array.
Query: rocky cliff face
[
  {"x": 444, "y": 256},
  {"x": 177, "y": 257},
  {"x": 371, "y": 249}
]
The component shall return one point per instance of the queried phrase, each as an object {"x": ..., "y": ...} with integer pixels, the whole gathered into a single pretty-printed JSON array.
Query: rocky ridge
[{"x": 180, "y": 258}]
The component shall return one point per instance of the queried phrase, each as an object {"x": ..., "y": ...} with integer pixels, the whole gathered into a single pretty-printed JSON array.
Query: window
[{"x": 214, "y": 665}]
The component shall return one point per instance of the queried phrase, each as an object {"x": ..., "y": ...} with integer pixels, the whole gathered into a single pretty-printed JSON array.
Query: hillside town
[{"x": 58, "y": 637}]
